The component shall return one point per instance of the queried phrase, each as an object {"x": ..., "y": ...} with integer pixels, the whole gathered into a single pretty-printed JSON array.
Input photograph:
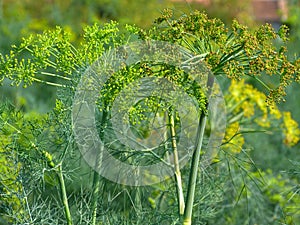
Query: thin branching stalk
[
  {"x": 165, "y": 136},
  {"x": 96, "y": 179},
  {"x": 48, "y": 82},
  {"x": 138, "y": 196},
  {"x": 96, "y": 188},
  {"x": 27, "y": 205},
  {"x": 176, "y": 165},
  {"x": 58, "y": 170},
  {"x": 64, "y": 194},
  {"x": 56, "y": 75}
]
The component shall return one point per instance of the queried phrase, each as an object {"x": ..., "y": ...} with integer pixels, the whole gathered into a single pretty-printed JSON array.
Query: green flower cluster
[{"x": 236, "y": 51}]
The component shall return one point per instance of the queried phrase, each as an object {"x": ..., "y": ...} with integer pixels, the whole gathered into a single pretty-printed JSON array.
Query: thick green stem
[
  {"x": 194, "y": 171},
  {"x": 196, "y": 157},
  {"x": 176, "y": 165},
  {"x": 64, "y": 194}
]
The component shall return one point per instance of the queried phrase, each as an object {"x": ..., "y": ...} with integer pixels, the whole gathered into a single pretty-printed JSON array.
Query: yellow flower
[
  {"x": 243, "y": 99},
  {"x": 291, "y": 130},
  {"x": 263, "y": 121},
  {"x": 233, "y": 139}
]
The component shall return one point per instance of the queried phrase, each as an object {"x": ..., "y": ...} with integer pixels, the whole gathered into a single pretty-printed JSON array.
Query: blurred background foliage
[{"x": 276, "y": 164}]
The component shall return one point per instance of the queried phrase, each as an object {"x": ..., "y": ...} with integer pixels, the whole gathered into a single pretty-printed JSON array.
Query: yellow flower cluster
[
  {"x": 245, "y": 98},
  {"x": 245, "y": 101},
  {"x": 233, "y": 139},
  {"x": 291, "y": 130}
]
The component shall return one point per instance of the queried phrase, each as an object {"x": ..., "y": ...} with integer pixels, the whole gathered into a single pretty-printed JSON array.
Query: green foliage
[
  {"x": 51, "y": 54},
  {"x": 9, "y": 185},
  {"x": 261, "y": 197},
  {"x": 280, "y": 192}
]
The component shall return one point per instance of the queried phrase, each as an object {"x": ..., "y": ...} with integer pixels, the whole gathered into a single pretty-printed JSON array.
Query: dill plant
[{"x": 45, "y": 154}]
